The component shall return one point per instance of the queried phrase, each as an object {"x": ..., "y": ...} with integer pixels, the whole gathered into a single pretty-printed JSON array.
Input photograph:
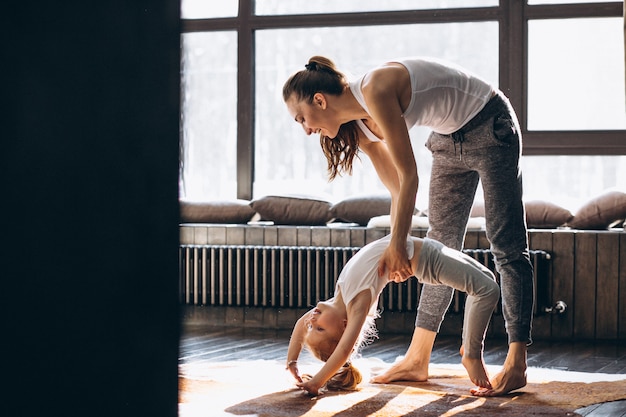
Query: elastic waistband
[{"x": 494, "y": 106}]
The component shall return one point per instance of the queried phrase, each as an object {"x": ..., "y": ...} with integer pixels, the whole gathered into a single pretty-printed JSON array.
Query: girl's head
[
  {"x": 306, "y": 94},
  {"x": 326, "y": 325}
]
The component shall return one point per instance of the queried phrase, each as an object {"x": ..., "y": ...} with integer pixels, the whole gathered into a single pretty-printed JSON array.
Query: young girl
[{"x": 335, "y": 329}]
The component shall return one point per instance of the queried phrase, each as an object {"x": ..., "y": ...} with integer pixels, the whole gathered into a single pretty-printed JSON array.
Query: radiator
[
  {"x": 298, "y": 277},
  {"x": 263, "y": 276}
]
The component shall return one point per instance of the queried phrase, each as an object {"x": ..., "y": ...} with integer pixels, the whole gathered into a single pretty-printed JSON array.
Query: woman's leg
[
  {"x": 452, "y": 190},
  {"x": 506, "y": 230},
  {"x": 451, "y": 195}
]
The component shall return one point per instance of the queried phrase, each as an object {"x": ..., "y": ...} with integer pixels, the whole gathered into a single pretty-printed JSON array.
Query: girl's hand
[
  {"x": 292, "y": 367},
  {"x": 310, "y": 386}
]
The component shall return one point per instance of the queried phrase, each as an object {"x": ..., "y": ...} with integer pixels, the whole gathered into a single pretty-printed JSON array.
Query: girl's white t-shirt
[{"x": 361, "y": 272}]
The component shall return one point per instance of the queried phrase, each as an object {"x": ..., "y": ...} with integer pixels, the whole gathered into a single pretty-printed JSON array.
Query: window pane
[
  {"x": 209, "y": 115},
  {"x": 278, "y": 7},
  {"x": 564, "y": 1},
  {"x": 289, "y": 162},
  {"x": 570, "y": 181},
  {"x": 576, "y": 74},
  {"x": 203, "y": 9}
]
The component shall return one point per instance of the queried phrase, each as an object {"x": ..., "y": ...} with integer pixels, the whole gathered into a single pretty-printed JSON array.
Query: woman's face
[{"x": 314, "y": 117}]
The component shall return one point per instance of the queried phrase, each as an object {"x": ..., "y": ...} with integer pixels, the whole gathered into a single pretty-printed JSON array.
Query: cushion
[
  {"x": 539, "y": 214},
  {"x": 417, "y": 221},
  {"x": 543, "y": 214},
  {"x": 600, "y": 211},
  {"x": 228, "y": 211},
  {"x": 361, "y": 209},
  {"x": 293, "y": 210},
  {"x": 421, "y": 222}
]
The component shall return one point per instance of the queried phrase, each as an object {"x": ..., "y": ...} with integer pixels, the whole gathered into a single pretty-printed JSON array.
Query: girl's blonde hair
[
  {"x": 348, "y": 377},
  {"x": 321, "y": 76}
]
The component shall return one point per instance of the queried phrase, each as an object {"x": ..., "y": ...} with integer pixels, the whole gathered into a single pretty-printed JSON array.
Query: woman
[
  {"x": 335, "y": 329},
  {"x": 475, "y": 135}
]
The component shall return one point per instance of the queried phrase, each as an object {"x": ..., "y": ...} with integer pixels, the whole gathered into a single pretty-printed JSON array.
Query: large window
[
  {"x": 286, "y": 160},
  {"x": 209, "y": 115},
  {"x": 575, "y": 81},
  {"x": 562, "y": 66},
  {"x": 278, "y": 7}
]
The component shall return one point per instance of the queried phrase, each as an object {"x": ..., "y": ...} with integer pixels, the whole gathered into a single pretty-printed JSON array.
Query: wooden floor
[{"x": 202, "y": 344}]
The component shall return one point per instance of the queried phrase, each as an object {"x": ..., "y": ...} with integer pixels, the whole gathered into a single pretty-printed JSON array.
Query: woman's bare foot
[
  {"x": 405, "y": 370},
  {"x": 414, "y": 365},
  {"x": 511, "y": 377},
  {"x": 502, "y": 383}
]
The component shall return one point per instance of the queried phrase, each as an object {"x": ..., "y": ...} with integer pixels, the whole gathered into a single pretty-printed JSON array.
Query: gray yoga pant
[
  {"x": 439, "y": 265},
  {"x": 489, "y": 152}
]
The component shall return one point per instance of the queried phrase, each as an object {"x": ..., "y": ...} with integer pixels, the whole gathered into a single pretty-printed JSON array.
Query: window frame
[{"x": 512, "y": 18}]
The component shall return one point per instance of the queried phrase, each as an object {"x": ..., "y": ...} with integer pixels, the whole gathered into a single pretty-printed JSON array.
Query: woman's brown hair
[{"x": 321, "y": 76}]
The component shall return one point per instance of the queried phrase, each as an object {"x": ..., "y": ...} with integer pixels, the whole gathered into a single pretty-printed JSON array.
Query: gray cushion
[{"x": 293, "y": 210}]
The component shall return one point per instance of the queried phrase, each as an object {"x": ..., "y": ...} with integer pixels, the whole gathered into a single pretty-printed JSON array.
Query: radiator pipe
[{"x": 558, "y": 308}]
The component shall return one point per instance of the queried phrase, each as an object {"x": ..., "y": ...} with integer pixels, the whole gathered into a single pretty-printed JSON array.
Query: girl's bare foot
[
  {"x": 477, "y": 373},
  {"x": 475, "y": 368}
]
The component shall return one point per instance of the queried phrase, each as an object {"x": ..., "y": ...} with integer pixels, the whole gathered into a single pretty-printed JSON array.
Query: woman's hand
[
  {"x": 396, "y": 262},
  {"x": 398, "y": 277}
]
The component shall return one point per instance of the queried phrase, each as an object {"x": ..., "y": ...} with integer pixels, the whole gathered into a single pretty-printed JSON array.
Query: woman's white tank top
[{"x": 444, "y": 96}]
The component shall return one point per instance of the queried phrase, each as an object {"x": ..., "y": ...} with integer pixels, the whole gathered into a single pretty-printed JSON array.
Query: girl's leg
[
  {"x": 444, "y": 266},
  {"x": 441, "y": 265}
]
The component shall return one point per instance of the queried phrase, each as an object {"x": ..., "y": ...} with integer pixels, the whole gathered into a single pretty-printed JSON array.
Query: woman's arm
[
  {"x": 378, "y": 153},
  {"x": 382, "y": 92},
  {"x": 357, "y": 313}
]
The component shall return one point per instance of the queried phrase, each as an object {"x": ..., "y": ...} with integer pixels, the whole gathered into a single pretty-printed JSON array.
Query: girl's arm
[
  {"x": 296, "y": 342},
  {"x": 357, "y": 313}
]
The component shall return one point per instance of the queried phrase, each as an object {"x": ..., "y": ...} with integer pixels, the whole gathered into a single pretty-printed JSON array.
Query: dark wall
[{"x": 89, "y": 208}]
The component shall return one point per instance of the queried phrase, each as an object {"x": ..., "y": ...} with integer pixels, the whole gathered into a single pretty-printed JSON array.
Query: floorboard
[{"x": 206, "y": 344}]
